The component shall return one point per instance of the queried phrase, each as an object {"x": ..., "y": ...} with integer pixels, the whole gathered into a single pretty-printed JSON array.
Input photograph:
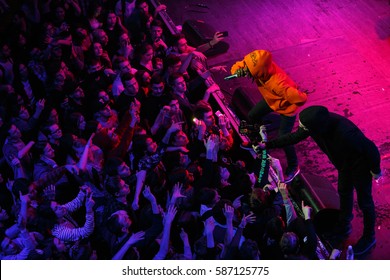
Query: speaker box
[
  {"x": 244, "y": 99},
  {"x": 316, "y": 191},
  {"x": 198, "y": 32}
]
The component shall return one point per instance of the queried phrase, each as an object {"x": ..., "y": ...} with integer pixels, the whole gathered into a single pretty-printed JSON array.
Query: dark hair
[
  {"x": 92, "y": 8},
  {"x": 206, "y": 196},
  {"x": 139, "y": 2},
  {"x": 171, "y": 161},
  {"x": 139, "y": 77},
  {"x": 259, "y": 198},
  {"x": 201, "y": 108},
  {"x": 91, "y": 126},
  {"x": 74, "y": 121},
  {"x": 274, "y": 228},
  {"x": 249, "y": 250},
  {"x": 112, "y": 184},
  {"x": 139, "y": 144},
  {"x": 111, "y": 166},
  {"x": 177, "y": 175},
  {"x": 173, "y": 77},
  {"x": 118, "y": 59},
  {"x": 38, "y": 149},
  {"x": 126, "y": 77},
  {"x": 142, "y": 49},
  {"x": 157, "y": 22},
  {"x": 176, "y": 38},
  {"x": 20, "y": 185},
  {"x": 156, "y": 79},
  {"x": 82, "y": 251},
  {"x": 171, "y": 60}
]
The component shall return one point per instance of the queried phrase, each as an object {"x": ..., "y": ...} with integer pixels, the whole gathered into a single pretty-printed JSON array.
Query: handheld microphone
[{"x": 230, "y": 77}]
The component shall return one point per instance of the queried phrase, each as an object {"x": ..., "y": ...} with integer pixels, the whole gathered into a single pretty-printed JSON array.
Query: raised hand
[
  {"x": 183, "y": 236},
  {"x": 170, "y": 214},
  {"x": 89, "y": 143},
  {"x": 176, "y": 126},
  {"x": 86, "y": 189},
  {"x": 259, "y": 147},
  {"x": 228, "y": 212},
  {"x": 50, "y": 192},
  {"x": 237, "y": 202},
  {"x": 307, "y": 211},
  {"x": 15, "y": 162},
  {"x": 209, "y": 226},
  {"x": 21, "y": 223},
  {"x": 247, "y": 219},
  {"x": 222, "y": 121},
  {"x": 40, "y": 105},
  {"x": 72, "y": 168},
  {"x": 220, "y": 68},
  {"x": 177, "y": 188},
  {"x": 201, "y": 126},
  {"x": 24, "y": 199},
  {"x": 135, "y": 205},
  {"x": 9, "y": 184},
  {"x": 263, "y": 133},
  {"x": 148, "y": 194},
  {"x": 210, "y": 143},
  {"x": 89, "y": 203},
  {"x": 135, "y": 237},
  {"x": 218, "y": 36},
  {"x": 283, "y": 190}
]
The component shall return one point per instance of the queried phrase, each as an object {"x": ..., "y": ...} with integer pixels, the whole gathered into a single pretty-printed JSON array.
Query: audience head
[{"x": 204, "y": 112}]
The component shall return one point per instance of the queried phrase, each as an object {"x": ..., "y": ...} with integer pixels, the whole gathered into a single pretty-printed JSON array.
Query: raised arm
[
  {"x": 186, "y": 244},
  {"x": 164, "y": 244},
  {"x": 141, "y": 175},
  {"x": 291, "y": 215},
  {"x": 22, "y": 152},
  {"x": 82, "y": 164},
  {"x": 152, "y": 199},
  {"x": 218, "y": 36},
  {"x": 134, "y": 238},
  {"x": 74, "y": 234}
]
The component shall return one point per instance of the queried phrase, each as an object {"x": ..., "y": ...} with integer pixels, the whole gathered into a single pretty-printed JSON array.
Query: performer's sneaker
[
  {"x": 291, "y": 173},
  {"x": 363, "y": 245}
]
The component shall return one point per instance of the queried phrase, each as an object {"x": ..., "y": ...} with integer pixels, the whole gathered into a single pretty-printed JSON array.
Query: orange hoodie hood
[{"x": 259, "y": 63}]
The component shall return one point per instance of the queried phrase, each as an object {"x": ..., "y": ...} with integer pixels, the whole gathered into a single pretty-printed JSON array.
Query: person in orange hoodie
[{"x": 280, "y": 94}]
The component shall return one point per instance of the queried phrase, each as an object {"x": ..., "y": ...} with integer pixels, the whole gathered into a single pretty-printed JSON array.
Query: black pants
[
  {"x": 361, "y": 181},
  {"x": 262, "y": 109}
]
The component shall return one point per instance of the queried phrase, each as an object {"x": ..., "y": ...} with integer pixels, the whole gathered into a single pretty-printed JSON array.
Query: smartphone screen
[{"x": 225, "y": 33}]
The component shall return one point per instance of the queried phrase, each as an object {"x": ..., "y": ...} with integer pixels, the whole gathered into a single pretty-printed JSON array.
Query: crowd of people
[{"x": 111, "y": 149}]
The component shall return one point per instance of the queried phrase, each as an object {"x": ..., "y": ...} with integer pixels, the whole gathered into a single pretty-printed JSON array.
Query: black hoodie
[{"x": 341, "y": 140}]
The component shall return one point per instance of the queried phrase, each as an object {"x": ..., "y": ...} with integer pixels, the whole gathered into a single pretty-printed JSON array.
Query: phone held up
[{"x": 224, "y": 33}]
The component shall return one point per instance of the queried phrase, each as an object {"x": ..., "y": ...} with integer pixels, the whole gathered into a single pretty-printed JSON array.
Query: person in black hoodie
[{"x": 356, "y": 159}]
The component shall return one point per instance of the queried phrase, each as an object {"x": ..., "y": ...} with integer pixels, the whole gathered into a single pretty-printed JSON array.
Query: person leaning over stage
[
  {"x": 280, "y": 94},
  {"x": 356, "y": 159}
]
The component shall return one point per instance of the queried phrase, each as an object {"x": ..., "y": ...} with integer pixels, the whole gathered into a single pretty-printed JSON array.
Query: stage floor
[{"x": 336, "y": 51}]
